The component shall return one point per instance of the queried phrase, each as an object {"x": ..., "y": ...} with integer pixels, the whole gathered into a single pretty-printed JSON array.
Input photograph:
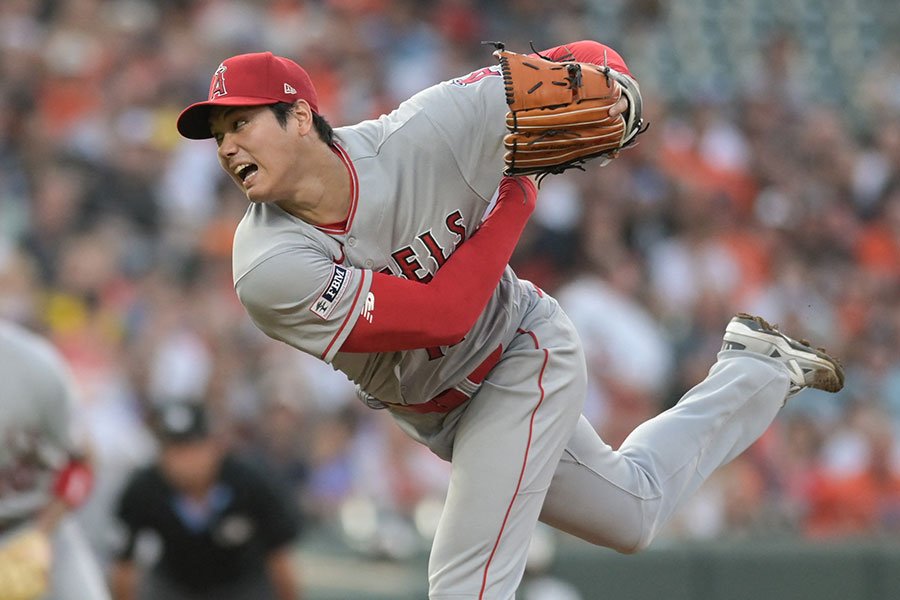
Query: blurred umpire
[{"x": 217, "y": 527}]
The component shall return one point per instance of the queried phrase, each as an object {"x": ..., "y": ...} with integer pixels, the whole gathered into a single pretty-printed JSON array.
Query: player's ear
[{"x": 302, "y": 113}]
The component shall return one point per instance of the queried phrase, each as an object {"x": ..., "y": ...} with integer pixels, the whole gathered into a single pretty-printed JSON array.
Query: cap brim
[{"x": 193, "y": 122}]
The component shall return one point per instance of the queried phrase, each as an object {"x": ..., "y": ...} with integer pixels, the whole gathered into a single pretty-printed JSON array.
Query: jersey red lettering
[
  {"x": 434, "y": 249},
  {"x": 456, "y": 225},
  {"x": 410, "y": 265}
]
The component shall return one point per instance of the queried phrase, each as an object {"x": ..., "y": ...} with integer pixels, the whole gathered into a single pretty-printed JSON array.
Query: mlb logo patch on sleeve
[{"x": 328, "y": 299}]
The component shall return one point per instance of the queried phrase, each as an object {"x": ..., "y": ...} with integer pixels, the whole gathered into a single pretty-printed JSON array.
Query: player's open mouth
[{"x": 245, "y": 171}]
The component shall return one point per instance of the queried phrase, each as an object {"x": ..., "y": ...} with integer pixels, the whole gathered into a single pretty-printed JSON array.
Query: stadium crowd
[{"x": 764, "y": 185}]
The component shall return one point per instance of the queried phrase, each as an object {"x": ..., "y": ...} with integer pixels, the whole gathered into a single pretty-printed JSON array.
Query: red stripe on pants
[{"x": 524, "y": 462}]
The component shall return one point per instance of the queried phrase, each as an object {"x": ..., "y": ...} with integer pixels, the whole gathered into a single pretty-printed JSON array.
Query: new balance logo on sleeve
[{"x": 369, "y": 307}]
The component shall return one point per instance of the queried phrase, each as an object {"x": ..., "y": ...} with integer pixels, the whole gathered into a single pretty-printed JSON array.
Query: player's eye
[
  {"x": 238, "y": 123},
  {"x": 218, "y": 137}
]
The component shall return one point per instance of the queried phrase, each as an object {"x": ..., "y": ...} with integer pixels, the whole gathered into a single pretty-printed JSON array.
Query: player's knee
[
  {"x": 624, "y": 541},
  {"x": 643, "y": 544},
  {"x": 625, "y": 544},
  {"x": 645, "y": 538}
]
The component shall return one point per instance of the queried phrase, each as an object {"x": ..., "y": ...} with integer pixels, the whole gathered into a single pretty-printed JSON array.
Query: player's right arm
[{"x": 408, "y": 314}]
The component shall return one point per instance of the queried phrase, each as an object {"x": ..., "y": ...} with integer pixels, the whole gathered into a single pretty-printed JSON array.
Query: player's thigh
[
  {"x": 516, "y": 426},
  {"x": 505, "y": 451}
]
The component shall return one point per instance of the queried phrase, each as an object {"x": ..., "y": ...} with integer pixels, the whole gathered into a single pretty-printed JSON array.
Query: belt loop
[{"x": 482, "y": 370}]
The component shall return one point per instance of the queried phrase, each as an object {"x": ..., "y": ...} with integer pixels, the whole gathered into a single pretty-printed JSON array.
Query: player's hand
[{"x": 619, "y": 108}]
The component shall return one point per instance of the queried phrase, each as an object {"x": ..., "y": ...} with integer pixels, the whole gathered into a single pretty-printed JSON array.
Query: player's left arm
[{"x": 469, "y": 113}]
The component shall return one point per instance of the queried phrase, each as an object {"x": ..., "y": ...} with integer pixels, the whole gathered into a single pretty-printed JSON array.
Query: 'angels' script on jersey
[{"x": 410, "y": 262}]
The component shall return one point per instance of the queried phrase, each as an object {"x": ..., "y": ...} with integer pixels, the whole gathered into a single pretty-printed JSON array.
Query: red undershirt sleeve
[
  {"x": 589, "y": 51},
  {"x": 409, "y": 314}
]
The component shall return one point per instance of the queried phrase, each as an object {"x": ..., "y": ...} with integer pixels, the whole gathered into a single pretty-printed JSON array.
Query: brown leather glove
[{"x": 559, "y": 113}]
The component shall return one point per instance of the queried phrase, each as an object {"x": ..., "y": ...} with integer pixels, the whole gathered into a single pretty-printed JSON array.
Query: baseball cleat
[{"x": 808, "y": 367}]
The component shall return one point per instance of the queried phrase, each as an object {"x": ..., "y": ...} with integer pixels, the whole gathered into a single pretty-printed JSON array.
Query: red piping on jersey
[
  {"x": 524, "y": 460},
  {"x": 344, "y": 226},
  {"x": 350, "y": 313}
]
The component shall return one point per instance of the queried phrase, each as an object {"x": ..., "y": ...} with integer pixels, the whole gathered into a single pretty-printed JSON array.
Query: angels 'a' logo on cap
[{"x": 218, "y": 83}]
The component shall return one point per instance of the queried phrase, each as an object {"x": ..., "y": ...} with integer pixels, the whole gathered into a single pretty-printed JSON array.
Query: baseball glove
[
  {"x": 25, "y": 566},
  {"x": 559, "y": 113}
]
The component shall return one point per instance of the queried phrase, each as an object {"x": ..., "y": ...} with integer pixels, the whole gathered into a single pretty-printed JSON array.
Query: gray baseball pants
[{"x": 523, "y": 452}]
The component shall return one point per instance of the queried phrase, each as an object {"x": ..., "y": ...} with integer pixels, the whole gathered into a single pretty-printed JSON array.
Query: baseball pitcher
[
  {"x": 382, "y": 249},
  {"x": 43, "y": 475}
]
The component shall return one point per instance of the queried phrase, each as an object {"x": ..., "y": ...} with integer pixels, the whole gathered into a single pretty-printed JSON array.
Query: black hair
[{"x": 281, "y": 111}]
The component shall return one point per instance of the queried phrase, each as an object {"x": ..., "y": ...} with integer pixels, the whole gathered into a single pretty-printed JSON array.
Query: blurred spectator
[
  {"x": 862, "y": 498},
  {"x": 219, "y": 528}
]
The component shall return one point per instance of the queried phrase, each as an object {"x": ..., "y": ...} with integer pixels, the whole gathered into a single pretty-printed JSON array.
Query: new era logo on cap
[{"x": 288, "y": 89}]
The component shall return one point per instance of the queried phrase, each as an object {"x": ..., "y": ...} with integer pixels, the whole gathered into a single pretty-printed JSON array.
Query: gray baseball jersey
[
  {"x": 423, "y": 177},
  {"x": 521, "y": 451}
]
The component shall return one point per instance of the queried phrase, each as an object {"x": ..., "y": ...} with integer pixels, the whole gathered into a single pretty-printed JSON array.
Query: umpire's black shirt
[{"x": 247, "y": 518}]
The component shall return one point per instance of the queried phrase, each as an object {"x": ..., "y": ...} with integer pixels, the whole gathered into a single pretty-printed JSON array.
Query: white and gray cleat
[{"x": 808, "y": 367}]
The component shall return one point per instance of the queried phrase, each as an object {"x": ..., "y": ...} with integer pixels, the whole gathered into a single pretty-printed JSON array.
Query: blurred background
[{"x": 769, "y": 182}]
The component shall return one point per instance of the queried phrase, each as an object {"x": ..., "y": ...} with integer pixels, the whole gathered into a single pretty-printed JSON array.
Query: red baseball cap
[{"x": 249, "y": 80}]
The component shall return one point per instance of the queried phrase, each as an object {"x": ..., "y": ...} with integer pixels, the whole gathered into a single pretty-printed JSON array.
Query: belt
[{"x": 453, "y": 397}]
